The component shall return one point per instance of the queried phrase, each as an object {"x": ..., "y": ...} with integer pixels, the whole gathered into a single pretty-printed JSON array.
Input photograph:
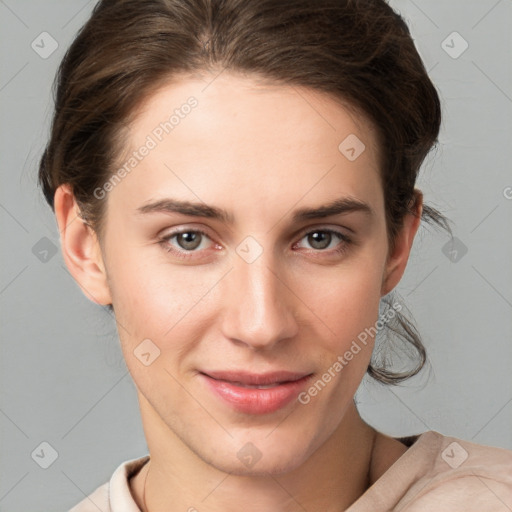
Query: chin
[
  {"x": 261, "y": 457},
  {"x": 266, "y": 466}
]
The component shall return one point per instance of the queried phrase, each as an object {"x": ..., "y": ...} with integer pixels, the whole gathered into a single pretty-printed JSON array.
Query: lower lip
[{"x": 254, "y": 400}]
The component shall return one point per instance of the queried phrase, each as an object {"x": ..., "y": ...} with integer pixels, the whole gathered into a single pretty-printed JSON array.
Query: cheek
[
  {"x": 154, "y": 297},
  {"x": 345, "y": 301},
  {"x": 159, "y": 323},
  {"x": 351, "y": 310},
  {"x": 358, "y": 311},
  {"x": 152, "y": 302}
]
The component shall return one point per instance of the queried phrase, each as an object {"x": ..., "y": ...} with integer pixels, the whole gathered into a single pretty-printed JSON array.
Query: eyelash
[{"x": 341, "y": 248}]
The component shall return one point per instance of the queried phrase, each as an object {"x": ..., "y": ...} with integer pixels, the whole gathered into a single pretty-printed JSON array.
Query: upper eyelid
[{"x": 313, "y": 229}]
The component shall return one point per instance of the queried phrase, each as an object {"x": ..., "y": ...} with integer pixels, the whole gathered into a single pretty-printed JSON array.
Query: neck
[{"x": 331, "y": 479}]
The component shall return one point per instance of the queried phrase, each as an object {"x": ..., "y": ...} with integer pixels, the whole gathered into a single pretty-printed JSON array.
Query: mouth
[{"x": 255, "y": 393}]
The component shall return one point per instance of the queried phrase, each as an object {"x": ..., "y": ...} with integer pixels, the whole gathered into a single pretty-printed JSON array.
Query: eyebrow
[{"x": 339, "y": 206}]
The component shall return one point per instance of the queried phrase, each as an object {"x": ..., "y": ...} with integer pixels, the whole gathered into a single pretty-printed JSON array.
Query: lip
[{"x": 237, "y": 389}]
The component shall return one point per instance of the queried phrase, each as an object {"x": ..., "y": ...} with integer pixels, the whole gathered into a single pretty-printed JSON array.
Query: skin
[{"x": 260, "y": 152}]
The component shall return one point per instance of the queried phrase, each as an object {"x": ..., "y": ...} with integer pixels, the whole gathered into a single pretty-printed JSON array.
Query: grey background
[{"x": 63, "y": 377}]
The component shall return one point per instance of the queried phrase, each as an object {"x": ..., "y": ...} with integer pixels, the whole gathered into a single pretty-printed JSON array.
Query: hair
[{"x": 359, "y": 52}]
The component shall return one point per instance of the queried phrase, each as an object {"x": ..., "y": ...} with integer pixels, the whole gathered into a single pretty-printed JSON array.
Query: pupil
[
  {"x": 320, "y": 239},
  {"x": 189, "y": 240}
]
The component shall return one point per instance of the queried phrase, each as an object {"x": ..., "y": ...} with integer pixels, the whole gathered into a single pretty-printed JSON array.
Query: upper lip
[{"x": 256, "y": 379}]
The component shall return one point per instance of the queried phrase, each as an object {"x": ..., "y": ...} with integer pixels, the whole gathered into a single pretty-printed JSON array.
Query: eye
[
  {"x": 324, "y": 239},
  {"x": 185, "y": 241},
  {"x": 188, "y": 242}
]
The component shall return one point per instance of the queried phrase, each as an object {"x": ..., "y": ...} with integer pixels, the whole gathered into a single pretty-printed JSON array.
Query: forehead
[
  {"x": 251, "y": 105},
  {"x": 235, "y": 133}
]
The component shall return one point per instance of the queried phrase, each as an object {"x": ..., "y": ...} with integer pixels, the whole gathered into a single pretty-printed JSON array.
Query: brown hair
[{"x": 358, "y": 51}]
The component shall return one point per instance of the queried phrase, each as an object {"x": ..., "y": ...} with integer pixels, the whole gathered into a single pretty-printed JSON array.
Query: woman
[{"x": 235, "y": 180}]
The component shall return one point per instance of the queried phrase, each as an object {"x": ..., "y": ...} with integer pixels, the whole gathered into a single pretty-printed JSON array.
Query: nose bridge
[{"x": 258, "y": 307}]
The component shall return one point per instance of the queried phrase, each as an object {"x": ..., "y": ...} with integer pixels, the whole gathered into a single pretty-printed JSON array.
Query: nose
[{"x": 258, "y": 307}]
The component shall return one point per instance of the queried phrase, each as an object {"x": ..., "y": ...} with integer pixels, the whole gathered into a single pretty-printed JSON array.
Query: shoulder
[
  {"x": 96, "y": 501},
  {"x": 114, "y": 495},
  {"x": 461, "y": 476}
]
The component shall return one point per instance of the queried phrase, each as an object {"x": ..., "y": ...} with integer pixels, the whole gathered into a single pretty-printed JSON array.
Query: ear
[
  {"x": 80, "y": 248},
  {"x": 397, "y": 260}
]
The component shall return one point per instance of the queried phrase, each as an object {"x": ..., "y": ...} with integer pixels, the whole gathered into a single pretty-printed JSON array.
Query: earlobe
[
  {"x": 397, "y": 260},
  {"x": 80, "y": 248}
]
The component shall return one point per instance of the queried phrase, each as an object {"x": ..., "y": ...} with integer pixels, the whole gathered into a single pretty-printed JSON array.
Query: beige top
[{"x": 436, "y": 474}]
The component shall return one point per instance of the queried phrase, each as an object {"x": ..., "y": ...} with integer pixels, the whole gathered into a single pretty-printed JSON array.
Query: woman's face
[{"x": 240, "y": 289}]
